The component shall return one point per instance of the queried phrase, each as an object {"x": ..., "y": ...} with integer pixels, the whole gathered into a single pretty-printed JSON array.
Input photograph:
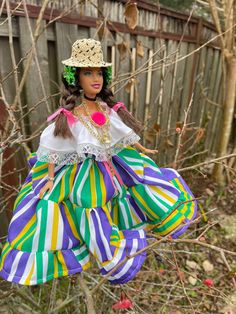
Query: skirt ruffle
[{"x": 90, "y": 211}]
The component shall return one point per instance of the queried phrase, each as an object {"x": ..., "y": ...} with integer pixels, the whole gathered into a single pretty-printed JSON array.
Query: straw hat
[{"x": 86, "y": 52}]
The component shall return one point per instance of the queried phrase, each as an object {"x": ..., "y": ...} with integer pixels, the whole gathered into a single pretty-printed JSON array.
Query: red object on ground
[
  {"x": 208, "y": 282},
  {"x": 123, "y": 303}
]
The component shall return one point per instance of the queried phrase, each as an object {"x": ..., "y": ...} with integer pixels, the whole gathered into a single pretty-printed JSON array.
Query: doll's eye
[
  {"x": 100, "y": 73},
  {"x": 87, "y": 73}
]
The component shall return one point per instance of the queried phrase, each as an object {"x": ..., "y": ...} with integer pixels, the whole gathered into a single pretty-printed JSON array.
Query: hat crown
[{"x": 86, "y": 52}]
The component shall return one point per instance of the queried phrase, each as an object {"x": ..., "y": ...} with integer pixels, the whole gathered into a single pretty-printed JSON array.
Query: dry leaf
[
  {"x": 131, "y": 14},
  {"x": 181, "y": 275},
  {"x": 123, "y": 49},
  {"x": 192, "y": 280},
  {"x": 140, "y": 49},
  {"x": 149, "y": 136},
  {"x": 129, "y": 85},
  {"x": 209, "y": 192},
  {"x": 207, "y": 266},
  {"x": 168, "y": 143},
  {"x": 192, "y": 264},
  {"x": 157, "y": 127},
  {"x": 179, "y": 125},
  {"x": 200, "y": 133}
]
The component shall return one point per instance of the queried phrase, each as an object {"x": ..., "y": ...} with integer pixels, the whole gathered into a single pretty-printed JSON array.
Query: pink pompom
[{"x": 98, "y": 117}]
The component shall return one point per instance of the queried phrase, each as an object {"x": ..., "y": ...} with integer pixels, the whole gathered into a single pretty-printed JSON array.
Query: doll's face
[{"x": 91, "y": 80}]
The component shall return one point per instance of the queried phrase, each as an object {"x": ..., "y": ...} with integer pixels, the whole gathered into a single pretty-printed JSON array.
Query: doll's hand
[
  {"x": 150, "y": 151},
  {"x": 47, "y": 186}
]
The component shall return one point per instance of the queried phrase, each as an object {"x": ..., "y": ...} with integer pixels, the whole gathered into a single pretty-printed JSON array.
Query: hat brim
[{"x": 73, "y": 63}]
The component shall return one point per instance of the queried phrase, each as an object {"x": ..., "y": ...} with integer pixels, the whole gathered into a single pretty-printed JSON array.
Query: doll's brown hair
[{"x": 70, "y": 95}]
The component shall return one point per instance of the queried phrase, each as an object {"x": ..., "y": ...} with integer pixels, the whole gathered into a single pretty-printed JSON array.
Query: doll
[{"x": 90, "y": 191}]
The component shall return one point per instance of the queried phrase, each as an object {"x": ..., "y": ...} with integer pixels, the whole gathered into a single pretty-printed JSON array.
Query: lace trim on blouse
[{"x": 85, "y": 150}]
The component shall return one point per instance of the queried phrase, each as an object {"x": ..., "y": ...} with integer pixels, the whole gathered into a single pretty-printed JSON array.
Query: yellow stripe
[
  {"x": 40, "y": 167},
  {"x": 4, "y": 256},
  {"x": 115, "y": 216},
  {"x": 24, "y": 230},
  {"x": 188, "y": 197},
  {"x": 55, "y": 226},
  {"x": 106, "y": 209},
  {"x": 27, "y": 281},
  {"x": 145, "y": 205},
  {"x": 138, "y": 171},
  {"x": 135, "y": 217},
  {"x": 159, "y": 191},
  {"x": 172, "y": 227},
  {"x": 62, "y": 189},
  {"x": 72, "y": 176},
  {"x": 86, "y": 266},
  {"x": 71, "y": 223},
  {"x": 93, "y": 187},
  {"x": 63, "y": 263},
  {"x": 39, "y": 177}
]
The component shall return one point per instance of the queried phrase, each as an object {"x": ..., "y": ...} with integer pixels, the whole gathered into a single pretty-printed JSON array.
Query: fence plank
[
  {"x": 34, "y": 91},
  {"x": 66, "y": 34}
]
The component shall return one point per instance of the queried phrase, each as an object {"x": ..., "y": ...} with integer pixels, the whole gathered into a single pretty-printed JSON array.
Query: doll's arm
[
  {"x": 144, "y": 149},
  {"x": 49, "y": 185},
  {"x": 51, "y": 168},
  {"x": 141, "y": 147}
]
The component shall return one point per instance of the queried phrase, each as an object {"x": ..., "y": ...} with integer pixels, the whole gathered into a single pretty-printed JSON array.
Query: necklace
[
  {"x": 89, "y": 98},
  {"x": 100, "y": 120}
]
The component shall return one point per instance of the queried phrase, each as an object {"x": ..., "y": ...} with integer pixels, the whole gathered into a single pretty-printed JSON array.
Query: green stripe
[
  {"x": 43, "y": 226},
  {"x": 50, "y": 270},
  {"x": 81, "y": 255},
  {"x": 39, "y": 265},
  {"x": 79, "y": 177}
]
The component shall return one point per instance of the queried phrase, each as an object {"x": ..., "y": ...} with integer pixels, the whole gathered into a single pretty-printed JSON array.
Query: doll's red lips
[{"x": 96, "y": 85}]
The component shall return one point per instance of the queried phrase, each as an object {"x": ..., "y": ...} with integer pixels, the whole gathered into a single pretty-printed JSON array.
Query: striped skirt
[{"x": 91, "y": 211}]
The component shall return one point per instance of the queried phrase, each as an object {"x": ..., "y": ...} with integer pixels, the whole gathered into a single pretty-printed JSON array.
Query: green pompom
[
  {"x": 69, "y": 74},
  {"x": 108, "y": 75}
]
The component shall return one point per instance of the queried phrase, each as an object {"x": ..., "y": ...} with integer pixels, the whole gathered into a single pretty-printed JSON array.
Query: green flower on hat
[
  {"x": 108, "y": 75},
  {"x": 69, "y": 74}
]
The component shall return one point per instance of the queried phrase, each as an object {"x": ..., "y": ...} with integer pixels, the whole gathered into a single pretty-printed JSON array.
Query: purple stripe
[
  {"x": 137, "y": 261},
  {"x": 126, "y": 178},
  {"x": 28, "y": 197},
  {"x": 67, "y": 230},
  {"x": 71, "y": 262},
  {"x": 21, "y": 267},
  {"x": 110, "y": 190},
  {"x": 137, "y": 210},
  {"x": 107, "y": 232},
  {"x": 17, "y": 225},
  {"x": 32, "y": 160},
  {"x": 11, "y": 255},
  {"x": 136, "y": 265},
  {"x": 27, "y": 179},
  {"x": 168, "y": 173}
]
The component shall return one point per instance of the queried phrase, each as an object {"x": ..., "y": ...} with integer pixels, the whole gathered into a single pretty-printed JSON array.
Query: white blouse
[{"x": 62, "y": 151}]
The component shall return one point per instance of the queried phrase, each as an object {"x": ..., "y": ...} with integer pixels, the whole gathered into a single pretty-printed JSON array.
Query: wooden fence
[{"x": 185, "y": 71}]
